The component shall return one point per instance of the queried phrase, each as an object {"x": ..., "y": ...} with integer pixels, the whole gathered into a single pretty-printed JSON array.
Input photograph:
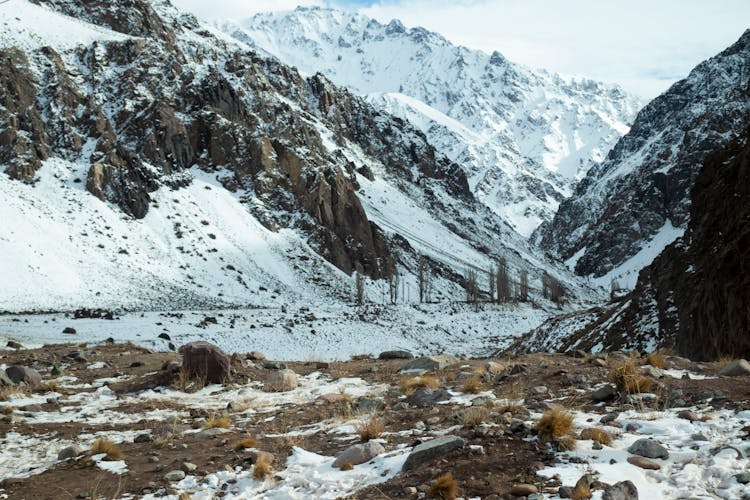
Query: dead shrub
[
  {"x": 656, "y": 359},
  {"x": 213, "y": 422},
  {"x": 566, "y": 443},
  {"x": 582, "y": 491},
  {"x": 410, "y": 385},
  {"x": 471, "y": 417},
  {"x": 112, "y": 451},
  {"x": 243, "y": 444},
  {"x": 371, "y": 428},
  {"x": 262, "y": 468},
  {"x": 626, "y": 375},
  {"x": 472, "y": 385},
  {"x": 444, "y": 487},
  {"x": 347, "y": 466},
  {"x": 599, "y": 435},
  {"x": 554, "y": 424}
]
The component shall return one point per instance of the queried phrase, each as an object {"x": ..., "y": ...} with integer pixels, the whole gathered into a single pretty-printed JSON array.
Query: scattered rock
[
  {"x": 255, "y": 356},
  {"x": 165, "y": 336},
  {"x": 522, "y": 490},
  {"x": 410, "y": 490},
  {"x": 69, "y": 330},
  {"x": 425, "y": 396},
  {"x": 359, "y": 454},
  {"x": 396, "y": 355},
  {"x": 143, "y": 438},
  {"x": 174, "y": 475},
  {"x": 209, "y": 433},
  {"x": 254, "y": 455},
  {"x": 624, "y": 490},
  {"x": 274, "y": 365},
  {"x": 14, "y": 345},
  {"x": 429, "y": 363},
  {"x": 136, "y": 364},
  {"x": 606, "y": 392},
  {"x": 743, "y": 477},
  {"x": 648, "y": 448},
  {"x": 69, "y": 452},
  {"x": 565, "y": 491},
  {"x": 281, "y": 381},
  {"x": 425, "y": 452},
  {"x": 204, "y": 360},
  {"x": 539, "y": 390},
  {"x": 737, "y": 368},
  {"x": 688, "y": 415},
  {"x": 188, "y": 467},
  {"x": 23, "y": 374},
  {"x": 644, "y": 463}
]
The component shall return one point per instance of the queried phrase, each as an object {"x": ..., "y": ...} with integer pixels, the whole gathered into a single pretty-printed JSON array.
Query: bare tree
[
  {"x": 424, "y": 280},
  {"x": 359, "y": 287},
  {"x": 493, "y": 283},
  {"x": 472, "y": 288},
  {"x": 546, "y": 284},
  {"x": 393, "y": 283},
  {"x": 523, "y": 287},
  {"x": 504, "y": 292},
  {"x": 557, "y": 291}
]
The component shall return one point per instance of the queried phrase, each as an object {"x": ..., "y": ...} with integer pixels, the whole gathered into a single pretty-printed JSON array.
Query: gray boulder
[
  {"x": 624, "y": 490},
  {"x": 4, "y": 379},
  {"x": 23, "y": 374},
  {"x": 737, "y": 368},
  {"x": 205, "y": 360},
  {"x": 69, "y": 452},
  {"x": 648, "y": 448},
  {"x": 396, "y": 355},
  {"x": 359, "y": 454},
  {"x": 606, "y": 392},
  {"x": 430, "y": 450},
  {"x": 281, "y": 381},
  {"x": 429, "y": 363},
  {"x": 429, "y": 397}
]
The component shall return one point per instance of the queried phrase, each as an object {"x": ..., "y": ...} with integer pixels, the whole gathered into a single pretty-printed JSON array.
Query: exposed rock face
[
  {"x": 644, "y": 185},
  {"x": 205, "y": 360},
  {"x": 23, "y": 374}
]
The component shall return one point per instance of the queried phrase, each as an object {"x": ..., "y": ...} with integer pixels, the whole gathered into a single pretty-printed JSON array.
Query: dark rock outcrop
[{"x": 205, "y": 361}]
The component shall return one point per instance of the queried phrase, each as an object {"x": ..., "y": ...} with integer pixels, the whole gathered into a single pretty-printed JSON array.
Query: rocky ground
[{"x": 119, "y": 421}]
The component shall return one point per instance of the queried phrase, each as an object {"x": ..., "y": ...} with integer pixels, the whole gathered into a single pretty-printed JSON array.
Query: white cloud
[{"x": 645, "y": 45}]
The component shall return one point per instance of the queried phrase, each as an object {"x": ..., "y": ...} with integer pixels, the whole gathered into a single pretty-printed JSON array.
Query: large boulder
[
  {"x": 429, "y": 397},
  {"x": 648, "y": 448},
  {"x": 23, "y": 374},
  {"x": 281, "y": 381},
  {"x": 737, "y": 368},
  {"x": 396, "y": 355},
  {"x": 205, "y": 360},
  {"x": 359, "y": 454},
  {"x": 430, "y": 450},
  {"x": 429, "y": 363},
  {"x": 4, "y": 379}
]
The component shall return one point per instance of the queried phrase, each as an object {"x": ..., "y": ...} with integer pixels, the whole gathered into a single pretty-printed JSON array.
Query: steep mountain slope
[
  {"x": 523, "y": 137},
  {"x": 637, "y": 201},
  {"x": 694, "y": 296},
  {"x": 151, "y": 161}
]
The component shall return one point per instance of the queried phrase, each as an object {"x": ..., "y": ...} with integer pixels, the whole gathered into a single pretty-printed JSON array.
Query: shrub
[
  {"x": 248, "y": 442},
  {"x": 599, "y": 435},
  {"x": 112, "y": 451},
  {"x": 582, "y": 491},
  {"x": 554, "y": 424},
  {"x": 566, "y": 443},
  {"x": 444, "y": 488},
  {"x": 656, "y": 359},
  {"x": 347, "y": 466},
  {"x": 262, "y": 468},
  {"x": 372, "y": 428},
  {"x": 472, "y": 385},
  {"x": 474, "y": 416},
  {"x": 626, "y": 375},
  {"x": 213, "y": 422},
  {"x": 13, "y": 390},
  {"x": 409, "y": 385}
]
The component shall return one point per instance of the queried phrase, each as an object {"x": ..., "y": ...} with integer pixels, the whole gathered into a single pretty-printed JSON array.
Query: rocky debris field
[{"x": 114, "y": 420}]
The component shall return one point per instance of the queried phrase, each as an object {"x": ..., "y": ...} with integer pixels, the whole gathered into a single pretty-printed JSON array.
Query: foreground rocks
[
  {"x": 432, "y": 449},
  {"x": 205, "y": 361}
]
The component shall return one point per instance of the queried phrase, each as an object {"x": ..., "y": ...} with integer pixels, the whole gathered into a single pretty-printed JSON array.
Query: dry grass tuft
[
  {"x": 566, "y": 443},
  {"x": 410, "y": 385},
  {"x": 262, "y": 468},
  {"x": 554, "y": 424},
  {"x": 248, "y": 442},
  {"x": 213, "y": 422},
  {"x": 186, "y": 383},
  {"x": 626, "y": 375},
  {"x": 7, "y": 410},
  {"x": 347, "y": 466},
  {"x": 657, "y": 359},
  {"x": 599, "y": 435},
  {"x": 102, "y": 445},
  {"x": 582, "y": 491},
  {"x": 372, "y": 428},
  {"x": 13, "y": 390},
  {"x": 472, "y": 385},
  {"x": 444, "y": 488},
  {"x": 471, "y": 417}
]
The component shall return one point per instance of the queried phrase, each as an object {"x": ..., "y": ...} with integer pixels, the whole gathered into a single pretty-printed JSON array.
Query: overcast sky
[{"x": 645, "y": 45}]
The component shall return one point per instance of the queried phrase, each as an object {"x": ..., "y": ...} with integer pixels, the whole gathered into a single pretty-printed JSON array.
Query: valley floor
[{"x": 176, "y": 445}]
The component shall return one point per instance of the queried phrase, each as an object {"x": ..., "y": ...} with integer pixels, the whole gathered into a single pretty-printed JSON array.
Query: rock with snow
[
  {"x": 429, "y": 363},
  {"x": 424, "y": 396},
  {"x": 281, "y": 381},
  {"x": 206, "y": 361},
  {"x": 358, "y": 454},
  {"x": 624, "y": 490},
  {"x": 174, "y": 476},
  {"x": 430, "y": 450},
  {"x": 70, "y": 452},
  {"x": 648, "y": 448}
]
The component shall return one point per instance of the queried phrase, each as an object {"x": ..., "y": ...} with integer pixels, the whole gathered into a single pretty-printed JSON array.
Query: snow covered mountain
[
  {"x": 524, "y": 137},
  {"x": 636, "y": 202},
  {"x": 151, "y": 161}
]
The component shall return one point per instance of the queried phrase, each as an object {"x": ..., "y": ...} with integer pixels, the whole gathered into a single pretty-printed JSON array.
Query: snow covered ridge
[
  {"x": 527, "y": 136},
  {"x": 641, "y": 192}
]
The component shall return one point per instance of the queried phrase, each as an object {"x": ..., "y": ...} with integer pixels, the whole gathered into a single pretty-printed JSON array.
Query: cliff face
[{"x": 643, "y": 187}]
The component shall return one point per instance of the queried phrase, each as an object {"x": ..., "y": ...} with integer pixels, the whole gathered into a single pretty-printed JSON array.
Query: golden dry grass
[
  {"x": 657, "y": 359},
  {"x": 444, "y": 487},
  {"x": 347, "y": 466},
  {"x": 262, "y": 468},
  {"x": 248, "y": 442},
  {"x": 471, "y": 417},
  {"x": 213, "y": 422},
  {"x": 410, "y": 384},
  {"x": 371, "y": 428},
  {"x": 566, "y": 443},
  {"x": 112, "y": 451},
  {"x": 626, "y": 375},
  {"x": 554, "y": 424},
  {"x": 472, "y": 385},
  {"x": 599, "y": 435},
  {"x": 13, "y": 390},
  {"x": 582, "y": 491}
]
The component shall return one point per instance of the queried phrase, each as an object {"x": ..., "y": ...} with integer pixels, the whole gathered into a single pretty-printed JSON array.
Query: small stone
[
  {"x": 644, "y": 463},
  {"x": 14, "y": 345},
  {"x": 84, "y": 494},
  {"x": 648, "y": 448},
  {"x": 737, "y": 368},
  {"x": 69, "y": 452},
  {"x": 359, "y": 454},
  {"x": 69, "y": 330},
  {"x": 281, "y": 381},
  {"x": 154, "y": 460},
  {"x": 624, "y": 490},
  {"x": 410, "y": 490},
  {"x": 435, "y": 448},
  {"x": 539, "y": 390},
  {"x": 209, "y": 433},
  {"x": 419, "y": 425},
  {"x": 188, "y": 467},
  {"x": 688, "y": 415},
  {"x": 522, "y": 490},
  {"x": 599, "y": 362},
  {"x": 743, "y": 477},
  {"x": 606, "y": 392},
  {"x": 174, "y": 475},
  {"x": 143, "y": 438},
  {"x": 136, "y": 364}
]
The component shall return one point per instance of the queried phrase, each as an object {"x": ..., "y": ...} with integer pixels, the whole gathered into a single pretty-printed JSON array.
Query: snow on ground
[{"x": 703, "y": 455}]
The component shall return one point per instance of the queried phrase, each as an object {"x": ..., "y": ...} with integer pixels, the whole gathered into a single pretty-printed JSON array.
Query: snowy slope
[{"x": 523, "y": 136}]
